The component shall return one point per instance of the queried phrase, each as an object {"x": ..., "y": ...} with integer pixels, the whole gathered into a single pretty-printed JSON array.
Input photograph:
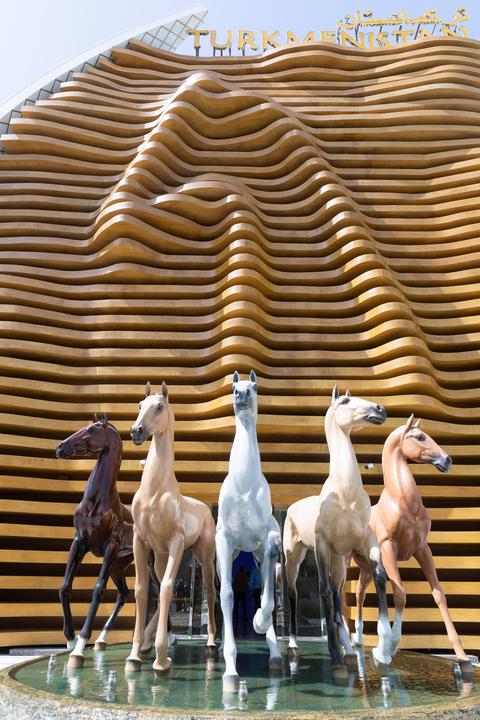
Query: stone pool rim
[{"x": 22, "y": 701}]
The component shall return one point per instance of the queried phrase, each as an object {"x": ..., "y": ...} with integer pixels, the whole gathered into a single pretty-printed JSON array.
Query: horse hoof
[
  {"x": 259, "y": 626},
  {"x": 161, "y": 668},
  {"x": 293, "y": 653},
  {"x": 100, "y": 646},
  {"x": 381, "y": 661},
  {"x": 133, "y": 665},
  {"x": 211, "y": 651},
  {"x": 75, "y": 661},
  {"x": 230, "y": 683},
  {"x": 340, "y": 675},
  {"x": 467, "y": 670},
  {"x": 275, "y": 663},
  {"x": 350, "y": 660}
]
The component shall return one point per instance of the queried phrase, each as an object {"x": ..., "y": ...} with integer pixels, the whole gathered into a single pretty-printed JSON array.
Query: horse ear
[
  {"x": 347, "y": 393},
  {"x": 104, "y": 419},
  {"x": 164, "y": 389},
  {"x": 253, "y": 377},
  {"x": 417, "y": 423},
  {"x": 410, "y": 423},
  {"x": 95, "y": 418},
  {"x": 335, "y": 393},
  {"x": 148, "y": 388},
  {"x": 236, "y": 377}
]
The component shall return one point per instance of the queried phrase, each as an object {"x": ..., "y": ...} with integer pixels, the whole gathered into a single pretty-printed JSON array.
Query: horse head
[
  {"x": 88, "y": 442},
  {"x": 351, "y": 413},
  {"x": 245, "y": 396},
  {"x": 416, "y": 445},
  {"x": 153, "y": 417}
]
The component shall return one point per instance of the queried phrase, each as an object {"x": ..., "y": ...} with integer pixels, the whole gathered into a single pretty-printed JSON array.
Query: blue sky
[{"x": 38, "y": 35}]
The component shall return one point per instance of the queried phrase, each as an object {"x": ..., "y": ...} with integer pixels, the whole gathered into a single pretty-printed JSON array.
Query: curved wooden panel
[{"x": 311, "y": 213}]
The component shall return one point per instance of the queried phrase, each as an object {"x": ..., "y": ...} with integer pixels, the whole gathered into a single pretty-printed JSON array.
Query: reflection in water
[{"x": 195, "y": 683}]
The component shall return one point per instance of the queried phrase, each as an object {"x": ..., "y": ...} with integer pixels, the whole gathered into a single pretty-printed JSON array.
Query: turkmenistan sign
[{"x": 362, "y": 31}]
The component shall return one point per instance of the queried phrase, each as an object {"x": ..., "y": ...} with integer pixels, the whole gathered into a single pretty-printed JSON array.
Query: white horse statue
[
  {"x": 245, "y": 522},
  {"x": 333, "y": 525}
]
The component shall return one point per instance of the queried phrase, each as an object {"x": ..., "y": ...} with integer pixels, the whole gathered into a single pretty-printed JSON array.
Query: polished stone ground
[{"x": 194, "y": 685}]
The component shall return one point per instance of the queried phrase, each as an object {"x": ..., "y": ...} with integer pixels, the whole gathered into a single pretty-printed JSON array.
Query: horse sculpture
[
  {"x": 332, "y": 525},
  {"x": 245, "y": 522},
  {"x": 103, "y": 526},
  {"x": 401, "y": 525},
  {"x": 166, "y": 523}
]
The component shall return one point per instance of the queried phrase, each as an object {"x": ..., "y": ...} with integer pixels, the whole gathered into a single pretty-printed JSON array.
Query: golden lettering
[
  {"x": 292, "y": 39},
  {"x": 309, "y": 37},
  {"x": 197, "y": 34},
  {"x": 359, "y": 43},
  {"x": 448, "y": 32},
  {"x": 371, "y": 39},
  {"x": 382, "y": 39},
  {"x": 221, "y": 46},
  {"x": 246, "y": 37},
  {"x": 423, "y": 34},
  {"x": 328, "y": 36},
  {"x": 268, "y": 40},
  {"x": 404, "y": 34}
]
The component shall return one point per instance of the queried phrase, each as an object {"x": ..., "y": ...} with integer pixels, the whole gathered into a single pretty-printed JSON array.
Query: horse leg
[
  {"x": 118, "y": 576},
  {"x": 224, "y": 568},
  {"x": 371, "y": 550},
  {"x": 338, "y": 574},
  {"x": 263, "y": 617},
  {"x": 162, "y": 662},
  {"x": 389, "y": 559},
  {"x": 366, "y": 577},
  {"x": 141, "y": 553},
  {"x": 268, "y": 582},
  {"x": 322, "y": 558},
  {"x": 153, "y": 622},
  {"x": 204, "y": 549},
  {"x": 76, "y": 656},
  {"x": 75, "y": 557},
  {"x": 293, "y": 559},
  {"x": 425, "y": 560}
]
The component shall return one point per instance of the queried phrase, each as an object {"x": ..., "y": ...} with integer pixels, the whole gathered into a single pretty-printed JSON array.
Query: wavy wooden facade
[{"x": 312, "y": 214}]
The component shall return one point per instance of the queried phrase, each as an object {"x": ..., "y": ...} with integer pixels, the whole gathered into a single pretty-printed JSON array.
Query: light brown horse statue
[
  {"x": 166, "y": 523},
  {"x": 401, "y": 525},
  {"x": 333, "y": 524}
]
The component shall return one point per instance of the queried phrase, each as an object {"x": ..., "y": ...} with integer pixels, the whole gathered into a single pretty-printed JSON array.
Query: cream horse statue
[
  {"x": 245, "y": 522},
  {"x": 166, "y": 523},
  {"x": 333, "y": 524},
  {"x": 401, "y": 523}
]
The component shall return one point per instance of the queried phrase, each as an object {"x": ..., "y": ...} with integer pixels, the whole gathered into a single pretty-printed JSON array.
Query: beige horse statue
[
  {"x": 166, "y": 523},
  {"x": 401, "y": 525},
  {"x": 333, "y": 524}
]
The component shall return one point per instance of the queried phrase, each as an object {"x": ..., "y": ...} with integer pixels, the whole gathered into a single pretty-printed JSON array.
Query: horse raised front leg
[
  {"x": 75, "y": 557},
  {"x": 175, "y": 553},
  {"x": 322, "y": 558},
  {"x": 142, "y": 578},
  {"x": 224, "y": 568},
  {"x": 263, "y": 617},
  {"x": 425, "y": 560},
  {"x": 76, "y": 658}
]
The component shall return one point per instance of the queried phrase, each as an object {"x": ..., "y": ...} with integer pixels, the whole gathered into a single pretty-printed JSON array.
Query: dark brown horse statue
[{"x": 103, "y": 526}]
